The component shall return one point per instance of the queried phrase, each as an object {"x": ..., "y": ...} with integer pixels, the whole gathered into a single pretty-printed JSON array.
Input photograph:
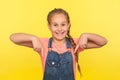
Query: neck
[{"x": 59, "y": 42}]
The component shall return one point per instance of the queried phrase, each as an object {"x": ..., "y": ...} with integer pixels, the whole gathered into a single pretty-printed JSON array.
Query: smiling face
[{"x": 59, "y": 26}]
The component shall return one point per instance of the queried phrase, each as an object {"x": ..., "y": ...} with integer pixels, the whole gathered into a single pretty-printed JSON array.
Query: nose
[{"x": 59, "y": 28}]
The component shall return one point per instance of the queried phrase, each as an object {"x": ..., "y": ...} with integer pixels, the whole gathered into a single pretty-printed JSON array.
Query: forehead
[{"x": 58, "y": 17}]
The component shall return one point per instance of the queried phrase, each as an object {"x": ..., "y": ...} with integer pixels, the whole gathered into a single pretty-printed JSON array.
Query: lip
[{"x": 59, "y": 33}]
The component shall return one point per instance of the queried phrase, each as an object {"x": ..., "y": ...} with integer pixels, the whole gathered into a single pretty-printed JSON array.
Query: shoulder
[
  {"x": 44, "y": 40},
  {"x": 76, "y": 40}
]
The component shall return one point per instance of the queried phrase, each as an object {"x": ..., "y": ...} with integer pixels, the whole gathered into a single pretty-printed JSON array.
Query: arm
[
  {"x": 27, "y": 40},
  {"x": 90, "y": 40}
]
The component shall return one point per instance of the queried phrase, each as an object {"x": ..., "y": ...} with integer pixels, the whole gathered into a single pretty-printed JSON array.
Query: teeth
[{"x": 60, "y": 33}]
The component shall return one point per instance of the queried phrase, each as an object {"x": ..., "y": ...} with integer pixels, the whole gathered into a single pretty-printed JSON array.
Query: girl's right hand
[
  {"x": 27, "y": 40},
  {"x": 37, "y": 45}
]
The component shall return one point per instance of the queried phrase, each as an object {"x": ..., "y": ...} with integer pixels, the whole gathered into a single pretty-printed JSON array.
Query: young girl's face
[{"x": 59, "y": 26}]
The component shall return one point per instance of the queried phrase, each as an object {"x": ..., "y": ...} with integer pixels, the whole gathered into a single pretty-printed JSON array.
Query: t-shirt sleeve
[
  {"x": 76, "y": 42},
  {"x": 44, "y": 42}
]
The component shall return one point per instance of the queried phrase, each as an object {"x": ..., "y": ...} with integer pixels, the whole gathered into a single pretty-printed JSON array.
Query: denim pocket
[
  {"x": 51, "y": 67},
  {"x": 52, "y": 63}
]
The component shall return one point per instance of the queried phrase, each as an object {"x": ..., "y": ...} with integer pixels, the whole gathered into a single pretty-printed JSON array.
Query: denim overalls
[{"x": 59, "y": 66}]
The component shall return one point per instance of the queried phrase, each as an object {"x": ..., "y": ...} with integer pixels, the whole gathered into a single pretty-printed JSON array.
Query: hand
[
  {"x": 82, "y": 43},
  {"x": 37, "y": 45}
]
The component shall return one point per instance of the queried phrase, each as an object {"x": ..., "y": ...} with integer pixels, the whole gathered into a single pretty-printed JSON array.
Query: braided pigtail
[{"x": 76, "y": 54}]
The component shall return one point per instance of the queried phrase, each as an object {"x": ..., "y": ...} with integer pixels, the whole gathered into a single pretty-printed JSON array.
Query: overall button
[{"x": 53, "y": 63}]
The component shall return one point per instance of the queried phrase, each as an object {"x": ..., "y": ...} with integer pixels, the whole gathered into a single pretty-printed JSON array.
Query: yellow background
[{"x": 29, "y": 16}]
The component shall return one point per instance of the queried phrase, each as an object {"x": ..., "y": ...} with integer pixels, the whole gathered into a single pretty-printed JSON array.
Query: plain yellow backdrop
[{"x": 29, "y": 16}]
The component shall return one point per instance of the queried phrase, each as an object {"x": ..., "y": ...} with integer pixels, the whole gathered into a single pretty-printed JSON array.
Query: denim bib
[{"x": 59, "y": 66}]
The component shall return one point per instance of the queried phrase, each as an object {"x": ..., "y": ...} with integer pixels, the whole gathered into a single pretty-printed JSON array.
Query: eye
[
  {"x": 55, "y": 25},
  {"x": 63, "y": 24}
]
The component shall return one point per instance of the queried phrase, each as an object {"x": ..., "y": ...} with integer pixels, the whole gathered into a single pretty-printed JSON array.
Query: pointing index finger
[{"x": 76, "y": 48}]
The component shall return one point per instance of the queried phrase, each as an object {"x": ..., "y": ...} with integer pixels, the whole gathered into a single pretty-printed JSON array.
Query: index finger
[{"x": 76, "y": 48}]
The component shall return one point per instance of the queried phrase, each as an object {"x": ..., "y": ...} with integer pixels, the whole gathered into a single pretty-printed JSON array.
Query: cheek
[
  {"x": 51, "y": 28},
  {"x": 66, "y": 29}
]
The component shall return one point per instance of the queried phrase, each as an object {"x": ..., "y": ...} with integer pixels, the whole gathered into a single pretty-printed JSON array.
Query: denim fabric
[{"x": 59, "y": 66}]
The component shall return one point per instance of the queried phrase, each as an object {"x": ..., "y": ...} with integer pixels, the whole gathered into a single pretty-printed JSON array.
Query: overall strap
[
  {"x": 50, "y": 43},
  {"x": 68, "y": 44}
]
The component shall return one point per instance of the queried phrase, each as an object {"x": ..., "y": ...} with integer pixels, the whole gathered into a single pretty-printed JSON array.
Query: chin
[{"x": 59, "y": 38}]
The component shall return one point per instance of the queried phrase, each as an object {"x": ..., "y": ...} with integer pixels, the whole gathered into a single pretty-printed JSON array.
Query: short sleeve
[
  {"x": 76, "y": 42},
  {"x": 44, "y": 42}
]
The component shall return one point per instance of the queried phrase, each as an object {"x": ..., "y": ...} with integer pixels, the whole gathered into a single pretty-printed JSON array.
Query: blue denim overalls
[{"x": 59, "y": 66}]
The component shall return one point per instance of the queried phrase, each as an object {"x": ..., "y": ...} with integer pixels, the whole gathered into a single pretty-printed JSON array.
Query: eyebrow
[{"x": 61, "y": 22}]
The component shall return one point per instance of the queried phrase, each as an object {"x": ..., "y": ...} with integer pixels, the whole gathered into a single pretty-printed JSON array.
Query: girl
[{"x": 59, "y": 53}]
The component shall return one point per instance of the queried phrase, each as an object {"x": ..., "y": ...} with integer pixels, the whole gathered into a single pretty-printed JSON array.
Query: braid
[{"x": 74, "y": 46}]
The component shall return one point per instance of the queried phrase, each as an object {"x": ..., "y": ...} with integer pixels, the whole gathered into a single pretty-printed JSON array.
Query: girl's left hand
[
  {"x": 90, "y": 40},
  {"x": 82, "y": 43}
]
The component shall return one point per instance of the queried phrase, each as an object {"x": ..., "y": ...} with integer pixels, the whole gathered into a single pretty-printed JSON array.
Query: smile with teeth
[{"x": 59, "y": 33}]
